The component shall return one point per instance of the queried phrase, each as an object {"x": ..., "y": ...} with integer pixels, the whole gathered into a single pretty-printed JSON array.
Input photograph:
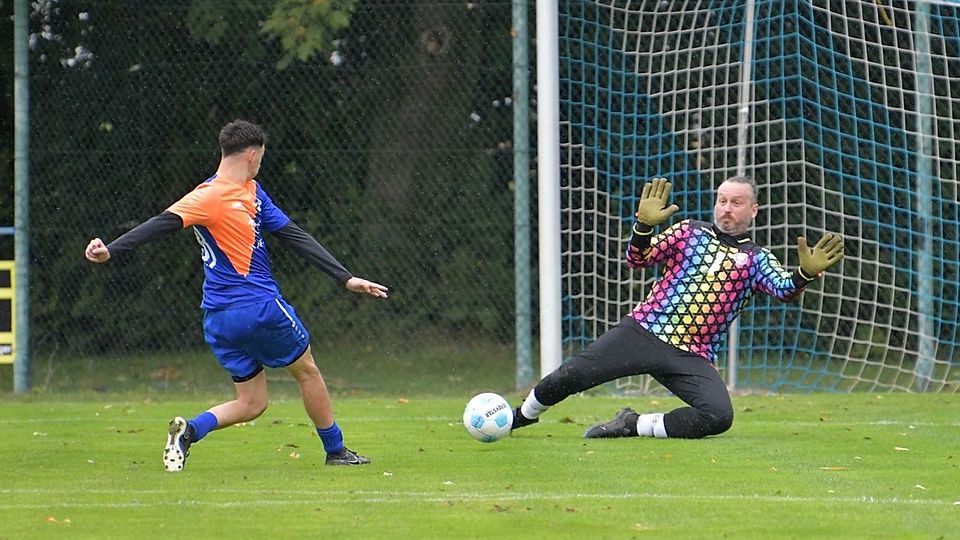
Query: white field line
[
  {"x": 391, "y": 497},
  {"x": 456, "y": 420},
  {"x": 264, "y": 421},
  {"x": 834, "y": 423}
]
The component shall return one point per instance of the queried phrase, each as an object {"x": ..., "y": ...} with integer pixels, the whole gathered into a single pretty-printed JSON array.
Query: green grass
[
  {"x": 796, "y": 466},
  {"x": 393, "y": 367}
]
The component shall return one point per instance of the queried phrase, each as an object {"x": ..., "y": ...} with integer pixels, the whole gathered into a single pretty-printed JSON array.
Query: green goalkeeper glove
[
  {"x": 652, "y": 209},
  {"x": 827, "y": 252}
]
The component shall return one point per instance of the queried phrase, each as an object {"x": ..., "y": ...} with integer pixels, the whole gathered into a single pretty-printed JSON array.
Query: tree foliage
[
  {"x": 306, "y": 28},
  {"x": 394, "y": 152}
]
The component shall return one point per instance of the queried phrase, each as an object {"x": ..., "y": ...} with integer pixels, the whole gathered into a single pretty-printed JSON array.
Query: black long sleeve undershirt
[
  {"x": 148, "y": 231},
  {"x": 291, "y": 235},
  {"x": 311, "y": 250}
]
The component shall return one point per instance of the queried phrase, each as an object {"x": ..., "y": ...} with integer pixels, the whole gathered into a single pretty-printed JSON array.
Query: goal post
[
  {"x": 852, "y": 125},
  {"x": 548, "y": 187}
]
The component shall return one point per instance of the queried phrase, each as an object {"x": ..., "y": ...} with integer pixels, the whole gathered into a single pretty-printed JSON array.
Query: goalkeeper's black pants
[{"x": 629, "y": 349}]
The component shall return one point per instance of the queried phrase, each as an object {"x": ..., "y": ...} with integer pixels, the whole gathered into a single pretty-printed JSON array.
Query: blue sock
[
  {"x": 203, "y": 424},
  {"x": 332, "y": 438}
]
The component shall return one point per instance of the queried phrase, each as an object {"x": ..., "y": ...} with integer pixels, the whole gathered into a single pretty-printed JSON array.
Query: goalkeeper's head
[
  {"x": 736, "y": 205},
  {"x": 242, "y": 140}
]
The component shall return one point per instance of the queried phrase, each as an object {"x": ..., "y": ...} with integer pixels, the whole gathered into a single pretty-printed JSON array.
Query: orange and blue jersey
[
  {"x": 707, "y": 279},
  {"x": 228, "y": 219}
]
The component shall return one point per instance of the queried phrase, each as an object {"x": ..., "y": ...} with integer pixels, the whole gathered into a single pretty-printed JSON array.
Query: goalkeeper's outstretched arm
[{"x": 787, "y": 286}]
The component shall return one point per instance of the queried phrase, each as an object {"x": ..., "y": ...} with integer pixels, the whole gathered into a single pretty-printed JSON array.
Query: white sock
[
  {"x": 651, "y": 425},
  {"x": 531, "y": 408}
]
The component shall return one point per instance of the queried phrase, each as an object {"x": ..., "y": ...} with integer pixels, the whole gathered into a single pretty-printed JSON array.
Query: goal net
[{"x": 852, "y": 125}]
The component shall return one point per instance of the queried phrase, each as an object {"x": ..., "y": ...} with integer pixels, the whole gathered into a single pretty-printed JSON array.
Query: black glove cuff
[{"x": 804, "y": 275}]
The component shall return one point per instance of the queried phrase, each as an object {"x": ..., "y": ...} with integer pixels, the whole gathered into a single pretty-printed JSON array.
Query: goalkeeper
[{"x": 710, "y": 272}]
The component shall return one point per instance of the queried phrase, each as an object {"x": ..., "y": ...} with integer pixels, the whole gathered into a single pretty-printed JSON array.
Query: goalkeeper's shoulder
[{"x": 685, "y": 226}]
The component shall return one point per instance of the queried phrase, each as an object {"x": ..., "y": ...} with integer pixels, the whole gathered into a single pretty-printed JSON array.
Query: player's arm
[
  {"x": 777, "y": 282},
  {"x": 774, "y": 280},
  {"x": 307, "y": 247},
  {"x": 311, "y": 250},
  {"x": 652, "y": 210},
  {"x": 148, "y": 231}
]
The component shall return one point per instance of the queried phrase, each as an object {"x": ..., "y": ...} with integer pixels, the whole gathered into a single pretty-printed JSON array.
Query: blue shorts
[{"x": 247, "y": 338}]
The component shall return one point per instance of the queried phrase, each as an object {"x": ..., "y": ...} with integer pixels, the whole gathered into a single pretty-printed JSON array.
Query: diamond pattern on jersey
[{"x": 705, "y": 284}]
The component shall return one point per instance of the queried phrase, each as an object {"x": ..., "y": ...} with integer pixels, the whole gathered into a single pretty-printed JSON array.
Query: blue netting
[{"x": 653, "y": 90}]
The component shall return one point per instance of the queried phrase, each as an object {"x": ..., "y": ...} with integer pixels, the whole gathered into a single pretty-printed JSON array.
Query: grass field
[
  {"x": 796, "y": 466},
  {"x": 389, "y": 366}
]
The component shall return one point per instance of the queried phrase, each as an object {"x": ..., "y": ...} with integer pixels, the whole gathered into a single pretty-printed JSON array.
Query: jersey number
[
  {"x": 209, "y": 258},
  {"x": 717, "y": 262}
]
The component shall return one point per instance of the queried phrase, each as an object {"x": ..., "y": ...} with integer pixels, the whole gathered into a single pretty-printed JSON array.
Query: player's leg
[
  {"x": 286, "y": 343},
  {"x": 698, "y": 384},
  {"x": 234, "y": 340},
  {"x": 250, "y": 403},
  {"x": 619, "y": 352},
  {"x": 316, "y": 401},
  {"x": 281, "y": 340},
  {"x": 227, "y": 332},
  {"x": 313, "y": 389}
]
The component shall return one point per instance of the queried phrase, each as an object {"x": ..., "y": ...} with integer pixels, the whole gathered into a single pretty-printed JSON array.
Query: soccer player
[
  {"x": 709, "y": 273},
  {"x": 247, "y": 323}
]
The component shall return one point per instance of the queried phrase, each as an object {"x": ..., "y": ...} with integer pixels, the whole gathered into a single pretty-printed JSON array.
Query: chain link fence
[{"x": 389, "y": 141}]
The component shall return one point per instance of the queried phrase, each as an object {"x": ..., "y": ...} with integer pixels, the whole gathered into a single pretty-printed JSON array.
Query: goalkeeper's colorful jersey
[
  {"x": 227, "y": 218},
  {"x": 707, "y": 279}
]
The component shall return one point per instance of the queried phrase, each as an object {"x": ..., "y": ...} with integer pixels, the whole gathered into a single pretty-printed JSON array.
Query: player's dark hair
[
  {"x": 239, "y": 135},
  {"x": 748, "y": 181}
]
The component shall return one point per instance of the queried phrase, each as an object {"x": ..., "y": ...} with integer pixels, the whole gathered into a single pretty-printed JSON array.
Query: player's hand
[
  {"x": 360, "y": 285},
  {"x": 97, "y": 251},
  {"x": 652, "y": 209},
  {"x": 827, "y": 252}
]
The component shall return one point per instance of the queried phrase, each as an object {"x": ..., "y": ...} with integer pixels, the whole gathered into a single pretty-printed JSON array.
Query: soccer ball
[{"x": 488, "y": 417}]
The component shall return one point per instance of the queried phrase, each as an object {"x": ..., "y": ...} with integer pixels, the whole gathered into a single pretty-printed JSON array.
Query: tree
[
  {"x": 304, "y": 28},
  {"x": 6, "y": 116}
]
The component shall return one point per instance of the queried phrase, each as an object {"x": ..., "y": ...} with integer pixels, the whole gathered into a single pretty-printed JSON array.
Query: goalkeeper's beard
[{"x": 729, "y": 224}]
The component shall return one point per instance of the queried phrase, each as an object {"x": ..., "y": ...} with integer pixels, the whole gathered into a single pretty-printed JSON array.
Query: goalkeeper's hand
[
  {"x": 652, "y": 209},
  {"x": 827, "y": 252}
]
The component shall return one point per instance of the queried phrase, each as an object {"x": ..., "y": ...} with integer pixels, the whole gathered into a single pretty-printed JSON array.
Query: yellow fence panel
[{"x": 8, "y": 320}]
